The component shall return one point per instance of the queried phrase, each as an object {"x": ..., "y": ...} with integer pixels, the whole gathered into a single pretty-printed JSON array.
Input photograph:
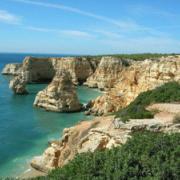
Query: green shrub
[
  {"x": 169, "y": 92},
  {"x": 176, "y": 119},
  {"x": 141, "y": 57},
  {"x": 136, "y": 57},
  {"x": 146, "y": 155}
]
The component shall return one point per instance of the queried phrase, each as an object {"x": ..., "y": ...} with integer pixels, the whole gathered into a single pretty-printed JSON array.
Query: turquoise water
[{"x": 24, "y": 130}]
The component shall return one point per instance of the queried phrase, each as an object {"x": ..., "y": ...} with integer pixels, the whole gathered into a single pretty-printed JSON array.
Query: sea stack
[
  {"x": 18, "y": 85},
  {"x": 60, "y": 95}
]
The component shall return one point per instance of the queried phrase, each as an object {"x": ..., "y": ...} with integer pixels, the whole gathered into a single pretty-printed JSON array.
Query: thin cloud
[
  {"x": 150, "y": 10},
  {"x": 77, "y": 33},
  {"x": 118, "y": 23},
  {"x": 7, "y": 17},
  {"x": 124, "y": 25},
  {"x": 71, "y": 33},
  {"x": 109, "y": 34},
  {"x": 39, "y": 29},
  {"x": 142, "y": 45},
  {"x": 127, "y": 26}
]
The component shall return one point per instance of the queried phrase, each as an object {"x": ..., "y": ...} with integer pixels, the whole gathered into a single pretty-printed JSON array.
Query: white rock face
[
  {"x": 60, "y": 95},
  {"x": 12, "y": 69}
]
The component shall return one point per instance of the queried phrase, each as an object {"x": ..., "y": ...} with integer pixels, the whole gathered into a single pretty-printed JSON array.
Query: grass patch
[
  {"x": 146, "y": 155},
  {"x": 169, "y": 92}
]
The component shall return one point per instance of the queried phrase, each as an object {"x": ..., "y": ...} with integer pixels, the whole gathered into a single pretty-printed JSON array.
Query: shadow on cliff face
[{"x": 38, "y": 70}]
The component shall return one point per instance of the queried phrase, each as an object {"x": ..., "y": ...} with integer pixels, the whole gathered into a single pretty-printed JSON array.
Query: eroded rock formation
[
  {"x": 18, "y": 85},
  {"x": 38, "y": 69},
  {"x": 107, "y": 73},
  {"x": 44, "y": 69},
  {"x": 60, "y": 95},
  {"x": 80, "y": 68},
  {"x": 137, "y": 78},
  {"x": 101, "y": 133},
  {"x": 12, "y": 69}
]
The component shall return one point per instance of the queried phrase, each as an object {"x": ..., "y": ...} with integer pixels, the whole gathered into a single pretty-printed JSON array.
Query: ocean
[{"x": 25, "y": 130}]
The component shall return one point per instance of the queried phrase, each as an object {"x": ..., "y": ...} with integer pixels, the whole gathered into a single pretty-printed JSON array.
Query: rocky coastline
[
  {"x": 122, "y": 80},
  {"x": 12, "y": 69},
  {"x": 101, "y": 133}
]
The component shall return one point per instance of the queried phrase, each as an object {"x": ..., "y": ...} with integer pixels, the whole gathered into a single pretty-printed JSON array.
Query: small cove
[{"x": 25, "y": 130}]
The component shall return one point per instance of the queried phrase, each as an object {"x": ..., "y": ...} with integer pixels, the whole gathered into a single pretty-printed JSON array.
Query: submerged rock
[
  {"x": 60, "y": 95},
  {"x": 12, "y": 69},
  {"x": 18, "y": 85}
]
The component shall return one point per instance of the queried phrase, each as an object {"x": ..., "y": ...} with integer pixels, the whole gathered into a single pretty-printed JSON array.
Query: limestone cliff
[
  {"x": 102, "y": 133},
  {"x": 80, "y": 68},
  {"x": 137, "y": 78},
  {"x": 60, "y": 95},
  {"x": 107, "y": 73},
  {"x": 44, "y": 69},
  {"x": 38, "y": 69},
  {"x": 12, "y": 69}
]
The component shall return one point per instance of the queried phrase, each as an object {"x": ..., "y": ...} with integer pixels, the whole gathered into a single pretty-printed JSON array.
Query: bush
[
  {"x": 141, "y": 57},
  {"x": 136, "y": 57},
  {"x": 176, "y": 119},
  {"x": 169, "y": 92},
  {"x": 146, "y": 155}
]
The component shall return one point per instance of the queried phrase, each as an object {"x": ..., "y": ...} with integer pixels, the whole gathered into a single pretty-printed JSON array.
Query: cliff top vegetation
[
  {"x": 146, "y": 155},
  {"x": 136, "y": 57},
  {"x": 169, "y": 92}
]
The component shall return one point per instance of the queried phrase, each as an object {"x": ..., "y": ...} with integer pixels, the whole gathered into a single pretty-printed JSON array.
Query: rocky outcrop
[
  {"x": 107, "y": 73},
  {"x": 137, "y": 78},
  {"x": 38, "y": 69},
  {"x": 80, "y": 68},
  {"x": 60, "y": 95},
  {"x": 12, "y": 69},
  {"x": 43, "y": 69},
  {"x": 60, "y": 152},
  {"x": 18, "y": 85},
  {"x": 99, "y": 134}
]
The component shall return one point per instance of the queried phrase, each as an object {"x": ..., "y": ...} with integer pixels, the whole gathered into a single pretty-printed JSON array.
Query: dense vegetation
[
  {"x": 140, "y": 57},
  {"x": 137, "y": 57},
  {"x": 146, "y": 155},
  {"x": 169, "y": 92}
]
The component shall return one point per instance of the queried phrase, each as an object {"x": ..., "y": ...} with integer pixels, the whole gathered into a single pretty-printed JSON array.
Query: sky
[{"x": 90, "y": 26}]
